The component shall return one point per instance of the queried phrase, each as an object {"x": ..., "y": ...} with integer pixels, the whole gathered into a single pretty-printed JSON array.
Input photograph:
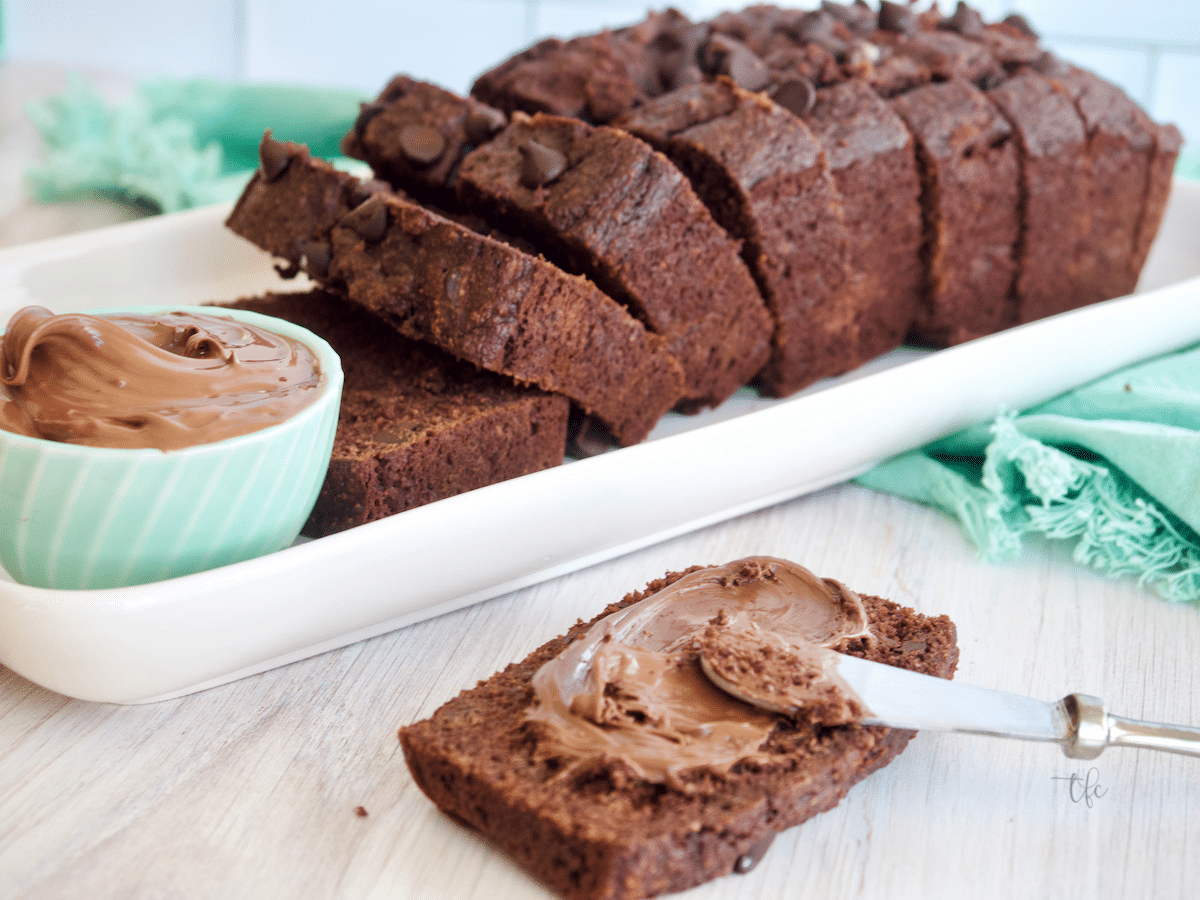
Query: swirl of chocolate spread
[
  {"x": 164, "y": 380},
  {"x": 632, "y": 688}
]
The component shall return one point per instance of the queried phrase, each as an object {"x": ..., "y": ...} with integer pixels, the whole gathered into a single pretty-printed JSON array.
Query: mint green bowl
[{"x": 74, "y": 517}]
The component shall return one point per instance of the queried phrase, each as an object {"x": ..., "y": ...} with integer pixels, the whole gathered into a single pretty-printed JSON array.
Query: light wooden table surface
[{"x": 250, "y": 790}]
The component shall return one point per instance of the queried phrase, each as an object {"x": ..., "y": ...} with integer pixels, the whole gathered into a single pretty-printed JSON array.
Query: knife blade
[{"x": 899, "y": 698}]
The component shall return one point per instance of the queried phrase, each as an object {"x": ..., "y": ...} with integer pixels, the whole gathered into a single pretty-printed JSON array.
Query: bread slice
[
  {"x": 873, "y": 164},
  {"x": 1053, "y": 247},
  {"x": 599, "y": 831},
  {"x": 481, "y": 300},
  {"x": 594, "y": 78},
  {"x": 613, "y": 209},
  {"x": 416, "y": 425},
  {"x": 415, "y": 134},
  {"x": 970, "y": 198},
  {"x": 1129, "y": 160},
  {"x": 766, "y": 179}
]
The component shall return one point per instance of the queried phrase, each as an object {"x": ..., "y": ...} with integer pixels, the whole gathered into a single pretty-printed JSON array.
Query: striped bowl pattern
[{"x": 75, "y": 517}]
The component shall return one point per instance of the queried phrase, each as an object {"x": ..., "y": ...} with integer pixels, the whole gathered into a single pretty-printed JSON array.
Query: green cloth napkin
[
  {"x": 1113, "y": 466},
  {"x": 1188, "y": 165},
  {"x": 177, "y": 144}
]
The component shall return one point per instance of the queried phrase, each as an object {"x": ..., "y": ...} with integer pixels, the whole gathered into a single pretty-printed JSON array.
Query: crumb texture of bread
[{"x": 598, "y": 833}]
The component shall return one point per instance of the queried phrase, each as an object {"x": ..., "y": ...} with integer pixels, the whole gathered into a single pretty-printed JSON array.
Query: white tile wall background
[{"x": 1150, "y": 47}]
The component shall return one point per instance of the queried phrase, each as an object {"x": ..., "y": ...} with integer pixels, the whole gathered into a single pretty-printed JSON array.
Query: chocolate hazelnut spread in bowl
[
  {"x": 147, "y": 443},
  {"x": 166, "y": 381}
]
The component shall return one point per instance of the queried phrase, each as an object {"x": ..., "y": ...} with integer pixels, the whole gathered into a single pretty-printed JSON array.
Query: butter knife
[{"x": 899, "y": 698}]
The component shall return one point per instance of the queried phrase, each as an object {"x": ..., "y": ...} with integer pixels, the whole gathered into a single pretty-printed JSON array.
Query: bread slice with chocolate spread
[{"x": 598, "y": 831}]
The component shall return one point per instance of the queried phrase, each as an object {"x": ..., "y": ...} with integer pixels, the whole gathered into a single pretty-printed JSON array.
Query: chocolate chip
[
  {"x": 273, "y": 157},
  {"x": 746, "y": 70},
  {"x": 754, "y": 854},
  {"x": 677, "y": 48},
  {"x": 1049, "y": 65},
  {"x": 723, "y": 55},
  {"x": 586, "y": 437},
  {"x": 682, "y": 77},
  {"x": 369, "y": 219},
  {"x": 366, "y": 112},
  {"x": 716, "y": 48},
  {"x": 421, "y": 143},
  {"x": 821, "y": 28},
  {"x": 288, "y": 270},
  {"x": 1019, "y": 23},
  {"x": 540, "y": 164},
  {"x": 482, "y": 123},
  {"x": 813, "y": 25},
  {"x": 316, "y": 256},
  {"x": 856, "y": 16},
  {"x": 680, "y": 36},
  {"x": 966, "y": 21},
  {"x": 362, "y": 191},
  {"x": 839, "y": 11},
  {"x": 796, "y": 95},
  {"x": 896, "y": 17}
]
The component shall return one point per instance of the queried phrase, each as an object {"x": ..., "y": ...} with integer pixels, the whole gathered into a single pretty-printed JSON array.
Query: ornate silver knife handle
[{"x": 1092, "y": 728}]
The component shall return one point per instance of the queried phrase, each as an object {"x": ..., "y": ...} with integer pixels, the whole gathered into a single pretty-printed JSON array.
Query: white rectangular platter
[{"x": 146, "y": 643}]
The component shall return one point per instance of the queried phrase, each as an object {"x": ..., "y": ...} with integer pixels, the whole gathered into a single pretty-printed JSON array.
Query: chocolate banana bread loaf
[
  {"x": 1085, "y": 214},
  {"x": 633, "y": 820}
]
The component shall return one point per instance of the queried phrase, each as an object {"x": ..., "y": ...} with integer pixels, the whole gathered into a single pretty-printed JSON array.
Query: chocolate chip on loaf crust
[
  {"x": 752, "y": 857},
  {"x": 965, "y": 21},
  {"x": 796, "y": 95},
  {"x": 540, "y": 164},
  {"x": 369, "y": 219},
  {"x": 1021, "y": 24},
  {"x": 482, "y": 123},
  {"x": 856, "y": 16},
  {"x": 316, "y": 256},
  {"x": 896, "y": 17},
  {"x": 724, "y": 55},
  {"x": 366, "y": 112},
  {"x": 422, "y": 144},
  {"x": 273, "y": 157}
]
